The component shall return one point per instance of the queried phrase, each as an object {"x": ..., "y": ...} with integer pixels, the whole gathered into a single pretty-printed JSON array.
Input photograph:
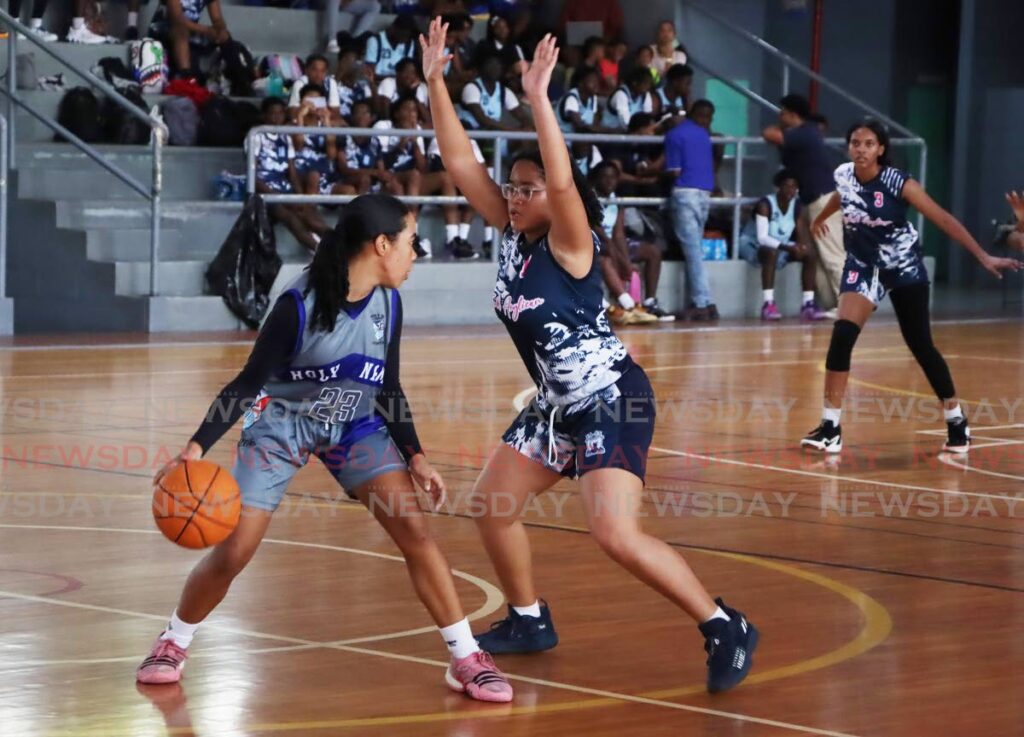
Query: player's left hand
[
  {"x": 429, "y": 480},
  {"x": 537, "y": 73},
  {"x": 1016, "y": 200},
  {"x": 996, "y": 266}
]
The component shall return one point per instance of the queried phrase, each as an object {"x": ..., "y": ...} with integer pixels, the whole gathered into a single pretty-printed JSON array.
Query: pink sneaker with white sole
[
  {"x": 478, "y": 677},
  {"x": 164, "y": 664},
  {"x": 770, "y": 313}
]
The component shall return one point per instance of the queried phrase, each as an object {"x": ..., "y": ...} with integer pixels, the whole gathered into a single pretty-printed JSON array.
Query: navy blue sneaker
[
  {"x": 518, "y": 633},
  {"x": 730, "y": 648}
]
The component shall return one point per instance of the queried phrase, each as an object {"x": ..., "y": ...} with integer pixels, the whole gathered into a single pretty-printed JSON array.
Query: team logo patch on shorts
[
  {"x": 378, "y": 328},
  {"x": 852, "y": 277},
  {"x": 254, "y": 412},
  {"x": 595, "y": 444}
]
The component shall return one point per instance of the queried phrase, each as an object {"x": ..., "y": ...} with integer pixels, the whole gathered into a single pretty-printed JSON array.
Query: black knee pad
[{"x": 844, "y": 336}]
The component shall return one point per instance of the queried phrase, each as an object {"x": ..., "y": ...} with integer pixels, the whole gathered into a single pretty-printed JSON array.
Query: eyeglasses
[{"x": 512, "y": 191}]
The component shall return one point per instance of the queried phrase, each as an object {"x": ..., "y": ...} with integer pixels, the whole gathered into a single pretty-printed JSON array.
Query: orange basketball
[{"x": 197, "y": 504}]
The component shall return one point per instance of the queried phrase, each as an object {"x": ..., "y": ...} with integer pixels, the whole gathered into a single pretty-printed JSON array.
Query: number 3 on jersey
[
  {"x": 335, "y": 406},
  {"x": 879, "y": 199}
]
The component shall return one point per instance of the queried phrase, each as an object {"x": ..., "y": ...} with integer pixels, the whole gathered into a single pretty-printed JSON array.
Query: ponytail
[{"x": 360, "y": 222}]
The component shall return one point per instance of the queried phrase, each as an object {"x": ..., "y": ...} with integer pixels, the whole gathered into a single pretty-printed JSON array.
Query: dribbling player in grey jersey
[{"x": 323, "y": 380}]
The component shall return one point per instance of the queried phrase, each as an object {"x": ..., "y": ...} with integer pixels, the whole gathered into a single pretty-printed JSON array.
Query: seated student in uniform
[
  {"x": 670, "y": 99},
  {"x": 317, "y": 74},
  {"x": 407, "y": 158},
  {"x": 629, "y": 99},
  {"x": 360, "y": 160},
  {"x": 353, "y": 87},
  {"x": 769, "y": 240},
  {"x": 640, "y": 164},
  {"x": 619, "y": 253},
  {"x": 486, "y": 100},
  {"x": 315, "y": 155},
  {"x": 176, "y": 24},
  {"x": 577, "y": 110},
  {"x": 388, "y": 47},
  {"x": 405, "y": 83},
  {"x": 462, "y": 249},
  {"x": 276, "y": 174}
]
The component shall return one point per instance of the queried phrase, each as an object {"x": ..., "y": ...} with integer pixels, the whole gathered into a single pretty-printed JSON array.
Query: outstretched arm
[
  {"x": 914, "y": 193},
  {"x": 571, "y": 242},
  {"x": 469, "y": 175}
]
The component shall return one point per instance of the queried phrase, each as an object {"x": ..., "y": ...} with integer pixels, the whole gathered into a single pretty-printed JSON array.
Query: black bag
[
  {"x": 238, "y": 67},
  {"x": 247, "y": 115},
  {"x": 219, "y": 124},
  {"x": 114, "y": 71},
  {"x": 120, "y": 126},
  {"x": 79, "y": 112},
  {"x": 247, "y": 264},
  {"x": 182, "y": 120}
]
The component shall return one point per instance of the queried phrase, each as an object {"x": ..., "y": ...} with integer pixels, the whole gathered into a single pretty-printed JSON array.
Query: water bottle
[{"x": 275, "y": 87}]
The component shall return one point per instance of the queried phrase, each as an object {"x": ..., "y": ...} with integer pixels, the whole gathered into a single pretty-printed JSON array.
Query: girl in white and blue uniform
[
  {"x": 577, "y": 111},
  {"x": 628, "y": 100},
  {"x": 592, "y": 417}
]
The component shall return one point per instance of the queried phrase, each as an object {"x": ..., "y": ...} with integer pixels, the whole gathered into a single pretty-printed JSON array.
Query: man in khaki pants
[{"x": 805, "y": 153}]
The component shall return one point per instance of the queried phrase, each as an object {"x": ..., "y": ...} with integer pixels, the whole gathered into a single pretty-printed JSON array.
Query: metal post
[
  {"x": 154, "y": 226},
  {"x": 785, "y": 78},
  {"x": 496, "y": 238},
  {"x": 924, "y": 173},
  {"x": 3, "y": 206},
  {"x": 250, "y": 162},
  {"x": 12, "y": 44},
  {"x": 734, "y": 248}
]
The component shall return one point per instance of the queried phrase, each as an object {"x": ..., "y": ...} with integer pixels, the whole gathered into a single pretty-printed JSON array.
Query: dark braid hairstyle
[
  {"x": 590, "y": 201},
  {"x": 360, "y": 222}
]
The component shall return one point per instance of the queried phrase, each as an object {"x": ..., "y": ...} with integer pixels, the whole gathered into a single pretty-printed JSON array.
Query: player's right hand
[
  {"x": 435, "y": 55},
  {"x": 192, "y": 452}
]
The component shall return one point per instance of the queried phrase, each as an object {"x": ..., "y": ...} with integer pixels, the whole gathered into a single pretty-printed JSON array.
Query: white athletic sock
[
  {"x": 768, "y": 294},
  {"x": 35, "y": 24},
  {"x": 719, "y": 614},
  {"x": 451, "y": 232},
  {"x": 488, "y": 233},
  {"x": 180, "y": 632},
  {"x": 528, "y": 611},
  {"x": 626, "y": 302},
  {"x": 649, "y": 302},
  {"x": 808, "y": 296},
  {"x": 78, "y": 22},
  {"x": 831, "y": 414},
  {"x": 459, "y": 639},
  {"x": 464, "y": 231},
  {"x": 133, "y": 18},
  {"x": 953, "y": 414}
]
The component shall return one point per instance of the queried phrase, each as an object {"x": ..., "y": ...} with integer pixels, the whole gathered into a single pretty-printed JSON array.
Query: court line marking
[
  {"x": 876, "y": 629},
  {"x": 520, "y": 399}
]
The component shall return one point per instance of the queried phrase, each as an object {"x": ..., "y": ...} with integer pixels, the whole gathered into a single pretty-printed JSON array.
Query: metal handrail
[
  {"x": 3, "y": 207},
  {"x": 158, "y": 131},
  {"x": 789, "y": 61}
]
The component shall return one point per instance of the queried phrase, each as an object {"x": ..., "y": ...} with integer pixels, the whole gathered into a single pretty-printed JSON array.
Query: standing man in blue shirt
[
  {"x": 689, "y": 158},
  {"x": 805, "y": 153}
]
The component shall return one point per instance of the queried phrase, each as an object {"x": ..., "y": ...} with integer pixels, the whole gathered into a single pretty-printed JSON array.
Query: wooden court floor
[{"x": 887, "y": 583}]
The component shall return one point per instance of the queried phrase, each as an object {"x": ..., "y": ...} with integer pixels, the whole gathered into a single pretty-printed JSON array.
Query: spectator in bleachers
[
  {"x": 586, "y": 155},
  {"x": 592, "y": 52},
  {"x": 609, "y": 67},
  {"x": 353, "y": 87},
  {"x": 386, "y": 48},
  {"x": 486, "y": 100},
  {"x": 577, "y": 111},
  {"x": 769, "y": 240},
  {"x": 499, "y": 42},
  {"x": 806, "y": 155},
  {"x": 640, "y": 165},
  {"x": 666, "y": 49},
  {"x": 618, "y": 256},
  {"x": 35, "y": 24},
  {"x": 364, "y": 18},
  {"x": 670, "y": 98},
  {"x": 407, "y": 157},
  {"x": 526, "y": 31},
  {"x": 88, "y": 26},
  {"x": 629, "y": 99},
  {"x": 462, "y": 249},
  {"x": 315, "y": 154},
  {"x": 607, "y": 12},
  {"x": 643, "y": 58},
  {"x": 176, "y": 25},
  {"x": 317, "y": 76},
  {"x": 459, "y": 68},
  {"x": 410, "y": 8},
  {"x": 276, "y": 174},
  {"x": 405, "y": 83},
  {"x": 689, "y": 159},
  {"x": 360, "y": 162}
]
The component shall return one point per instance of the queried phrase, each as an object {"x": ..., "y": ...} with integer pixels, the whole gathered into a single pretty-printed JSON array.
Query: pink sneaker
[
  {"x": 769, "y": 312},
  {"x": 478, "y": 677},
  {"x": 163, "y": 665},
  {"x": 810, "y": 313}
]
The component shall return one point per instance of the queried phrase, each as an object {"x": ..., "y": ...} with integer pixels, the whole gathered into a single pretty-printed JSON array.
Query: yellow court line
[{"x": 878, "y": 624}]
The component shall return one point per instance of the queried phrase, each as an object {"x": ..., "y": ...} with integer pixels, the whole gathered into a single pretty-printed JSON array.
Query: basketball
[{"x": 197, "y": 504}]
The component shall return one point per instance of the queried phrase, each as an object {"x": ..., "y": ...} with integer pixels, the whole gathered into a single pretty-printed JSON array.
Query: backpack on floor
[
  {"x": 79, "y": 112},
  {"x": 182, "y": 120},
  {"x": 220, "y": 124},
  {"x": 149, "y": 65},
  {"x": 120, "y": 126},
  {"x": 288, "y": 66},
  {"x": 238, "y": 68}
]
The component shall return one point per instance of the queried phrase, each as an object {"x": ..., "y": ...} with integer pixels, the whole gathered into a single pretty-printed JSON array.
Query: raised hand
[
  {"x": 435, "y": 55},
  {"x": 1016, "y": 200},
  {"x": 537, "y": 74}
]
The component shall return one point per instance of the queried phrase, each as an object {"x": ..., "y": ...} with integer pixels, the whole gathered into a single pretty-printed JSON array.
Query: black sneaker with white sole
[
  {"x": 653, "y": 308},
  {"x": 826, "y": 437},
  {"x": 958, "y": 436},
  {"x": 730, "y": 647}
]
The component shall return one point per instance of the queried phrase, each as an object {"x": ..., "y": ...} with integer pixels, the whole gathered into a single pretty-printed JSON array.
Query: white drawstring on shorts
[{"x": 552, "y": 446}]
